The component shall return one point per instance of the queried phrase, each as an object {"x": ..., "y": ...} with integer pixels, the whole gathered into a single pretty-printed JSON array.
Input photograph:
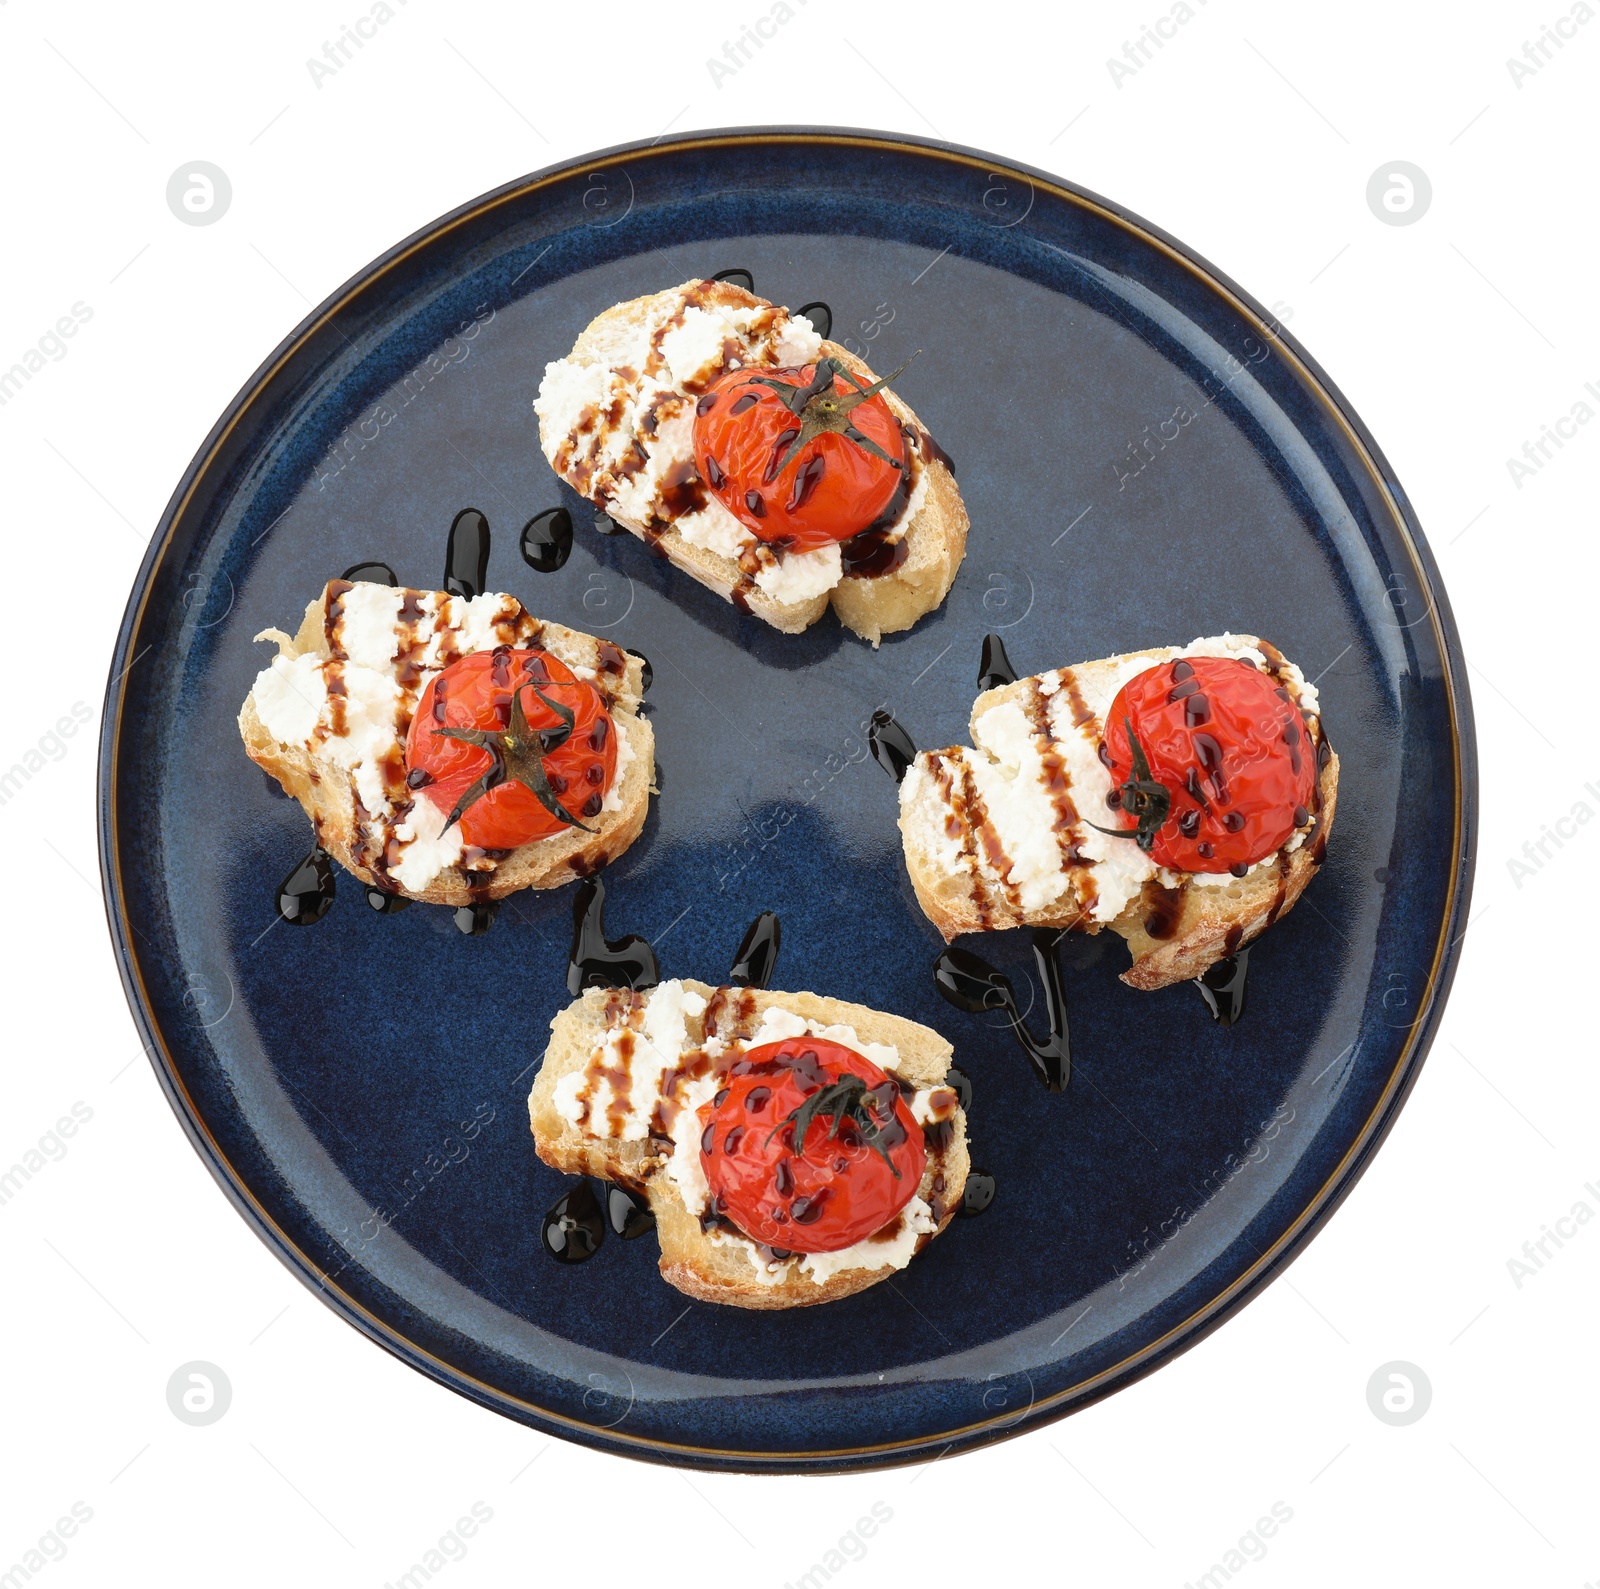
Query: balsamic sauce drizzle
[
  {"x": 740, "y": 278},
  {"x": 370, "y": 574},
  {"x": 476, "y": 919},
  {"x": 386, "y": 904},
  {"x": 466, "y": 558},
  {"x": 1222, "y": 986},
  {"x": 891, "y": 745},
  {"x": 979, "y": 1191},
  {"x": 871, "y": 554},
  {"x": 547, "y": 540},
  {"x": 576, "y": 1225},
  {"x": 647, "y": 673},
  {"x": 972, "y": 984},
  {"x": 757, "y": 955},
  {"x": 596, "y": 962},
  {"x": 306, "y": 894},
  {"x": 977, "y": 1195}
]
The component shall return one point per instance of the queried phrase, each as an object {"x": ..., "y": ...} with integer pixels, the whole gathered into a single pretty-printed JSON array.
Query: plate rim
[{"x": 1205, "y": 1317}]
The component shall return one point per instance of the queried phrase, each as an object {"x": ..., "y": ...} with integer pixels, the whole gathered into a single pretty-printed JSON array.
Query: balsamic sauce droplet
[
  {"x": 978, "y": 1195},
  {"x": 466, "y": 558},
  {"x": 891, "y": 745},
  {"x": 740, "y": 278},
  {"x": 476, "y": 920},
  {"x": 606, "y": 525},
  {"x": 306, "y": 894},
  {"x": 807, "y": 1210},
  {"x": 627, "y": 1213},
  {"x": 973, "y": 985},
  {"x": 1222, "y": 986},
  {"x": 820, "y": 316},
  {"x": 757, "y": 955},
  {"x": 386, "y": 904},
  {"x": 547, "y": 540},
  {"x": 370, "y": 574},
  {"x": 994, "y": 668},
  {"x": 960, "y": 1083},
  {"x": 647, "y": 673},
  {"x": 596, "y": 963},
  {"x": 574, "y": 1227}
]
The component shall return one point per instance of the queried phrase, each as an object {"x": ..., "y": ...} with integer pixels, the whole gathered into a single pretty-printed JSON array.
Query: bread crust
[
  {"x": 935, "y": 538},
  {"x": 327, "y": 795},
  {"x": 696, "y": 1262},
  {"x": 1199, "y": 924}
]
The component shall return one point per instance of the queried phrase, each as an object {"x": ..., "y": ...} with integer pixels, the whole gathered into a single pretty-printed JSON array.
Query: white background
[{"x": 1251, "y": 135}]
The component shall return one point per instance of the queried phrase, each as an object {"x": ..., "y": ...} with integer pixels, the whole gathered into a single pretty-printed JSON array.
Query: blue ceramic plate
[{"x": 357, "y": 1087}]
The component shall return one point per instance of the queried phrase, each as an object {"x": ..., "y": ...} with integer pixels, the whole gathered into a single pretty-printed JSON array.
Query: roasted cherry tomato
[
  {"x": 809, "y": 1147},
  {"x": 475, "y": 694},
  {"x": 1221, "y": 769},
  {"x": 801, "y": 463}
]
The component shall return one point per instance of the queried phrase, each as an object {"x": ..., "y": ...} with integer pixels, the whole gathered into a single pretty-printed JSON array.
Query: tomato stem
[
  {"x": 823, "y": 411},
  {"x": 1143, "y": 797},
  {"x": 517, "y": 752},
  {"x": 845, "y": 1099}
]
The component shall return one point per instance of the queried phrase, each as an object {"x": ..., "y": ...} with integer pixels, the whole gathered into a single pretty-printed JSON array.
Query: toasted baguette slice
[
  {"x": 710, "y": 1264},
  {"x": 994, "y": 836},
  {"x": 383, "y": 644},
  {"x": 616, "y": 422}
]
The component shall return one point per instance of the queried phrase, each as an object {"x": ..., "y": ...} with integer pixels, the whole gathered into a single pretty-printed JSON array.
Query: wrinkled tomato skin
[
  {"x": 830, "y": 490},
  {"x": 1238, "y": 739},
  {"x": 476, "y": 692},
  {"x": 821, "y": 1195}
]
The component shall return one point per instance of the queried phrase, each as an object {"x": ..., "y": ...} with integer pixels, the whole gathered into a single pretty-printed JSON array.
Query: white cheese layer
[
  {"x": 800, "y": 576},
  {"x": 290, "y": 696}
]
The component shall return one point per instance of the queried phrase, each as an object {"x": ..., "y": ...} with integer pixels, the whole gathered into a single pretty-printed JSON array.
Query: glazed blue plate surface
[{"x": 358, "y": 1086}]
